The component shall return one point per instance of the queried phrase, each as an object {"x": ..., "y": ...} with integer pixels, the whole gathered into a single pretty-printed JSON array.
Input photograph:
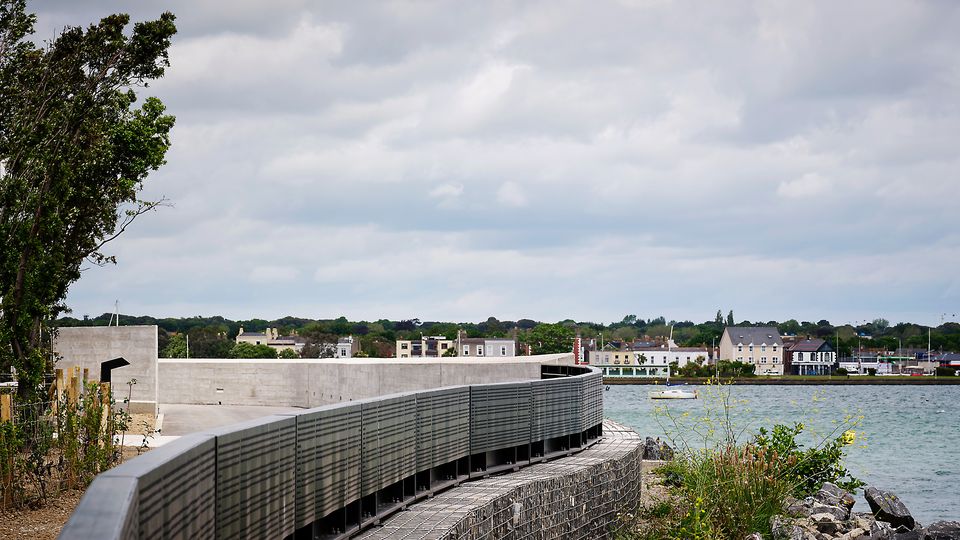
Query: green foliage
[
  {"x": 946, "y": 372},
  {"x": 45, "y": 450},
  {"x": 75, "y": 151},
  {"x": 288, "y": 354},
  {"x": 727, "y": 488},
  {"x": 806, "y": 469},
  {"x": 249, "y": 350},
  {"x": 176, "y": 347},
  {"x": 551, "y": 338},
  {"x": 840, "y": 371}
]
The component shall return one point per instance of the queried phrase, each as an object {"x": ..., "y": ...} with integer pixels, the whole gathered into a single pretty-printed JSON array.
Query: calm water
[{"x": 912, "y": 443}]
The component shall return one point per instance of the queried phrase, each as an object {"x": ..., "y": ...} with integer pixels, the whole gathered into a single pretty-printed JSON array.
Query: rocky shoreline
[{"x": 827, "y": 515}]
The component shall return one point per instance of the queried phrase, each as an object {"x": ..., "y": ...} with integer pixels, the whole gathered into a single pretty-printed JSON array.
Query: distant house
[
  {"x": 760, "y": 346},
  {"x": 425, "y": 347},
  {"x": 487, "y": 347},
  {"x": 271, "y": 338},
  {"x": 809, "y": 357},
  {"x": 347, "y": 347}
]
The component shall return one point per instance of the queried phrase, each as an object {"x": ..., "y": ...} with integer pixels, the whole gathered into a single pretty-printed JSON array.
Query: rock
[
  {"x": 796, "y": 508},
  {"x": 907, "y": 535},
  {"x": 827, "y": 524},
  {"x": 754, "y": 536},
  {"x": 651, "y": 450},
  {"x": 888, "y": 507},
  {"x": 838, "y": 513},
  {"x": 881, "y": 531},
  {"x": 864, "y": 521},
  {"x": 855, "y": 533},
  {"x": 942, "y": 530},
  {"x": 666, "y": 453},
  {"x": 785, "y": 529},
  {"x": 832, "y": 495}
]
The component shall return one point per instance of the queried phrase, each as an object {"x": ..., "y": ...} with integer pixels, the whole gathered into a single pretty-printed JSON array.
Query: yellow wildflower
[{"x": 849, "y": 437}]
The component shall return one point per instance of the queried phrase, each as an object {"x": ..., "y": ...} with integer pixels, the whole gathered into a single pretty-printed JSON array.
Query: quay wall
[{"x": 315, "y": 382}]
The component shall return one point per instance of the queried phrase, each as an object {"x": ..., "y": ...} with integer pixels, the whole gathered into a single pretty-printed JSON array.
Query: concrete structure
[
  {"x": 311, "y": 382},
  {"x": 487, "y": 347},
  {"x": 88, "y": 346},
  {"x": 425, "y": 347},
  {"x": 760, "y": 346},
  {"x": 331, "y": 472},
  {"x": 809, "y": 357}
]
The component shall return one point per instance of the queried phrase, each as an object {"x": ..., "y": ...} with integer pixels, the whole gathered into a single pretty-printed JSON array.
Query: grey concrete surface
[
  {"x": 316, "y": 382},
  {"x": 181, "y": 419},
  {"x": 87, "y": 347}
]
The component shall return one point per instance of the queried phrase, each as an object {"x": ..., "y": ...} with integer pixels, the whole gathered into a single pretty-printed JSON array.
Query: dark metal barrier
[{"x": 331, "y": 471}]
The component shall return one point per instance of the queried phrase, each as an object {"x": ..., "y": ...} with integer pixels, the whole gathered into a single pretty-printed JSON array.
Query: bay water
[{"x": 908, "y": 436}]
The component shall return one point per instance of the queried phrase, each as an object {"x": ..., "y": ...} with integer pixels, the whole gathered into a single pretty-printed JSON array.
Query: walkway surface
[{"x": 179, "y": 419}]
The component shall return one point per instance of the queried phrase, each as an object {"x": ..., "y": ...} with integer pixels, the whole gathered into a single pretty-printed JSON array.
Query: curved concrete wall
[
  {"x": 314, "y": 382},
  {"x": 330, "y": 471}
]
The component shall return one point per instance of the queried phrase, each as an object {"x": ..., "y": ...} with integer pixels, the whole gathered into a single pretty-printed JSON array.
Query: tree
[
  {"x": 719, "y": 318},
  {"x": 551, "y": 338},
  {"x": 74, "y": 153},
  {"x": 288, "y": 354},
  {"x": 176, "y": 347},
  {"x": 249, "y": 350},
  {"x": 730, "y": 318}
]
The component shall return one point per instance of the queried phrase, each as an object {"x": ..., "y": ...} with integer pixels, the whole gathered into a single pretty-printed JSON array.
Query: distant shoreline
[{"x": 859, "y": 380}]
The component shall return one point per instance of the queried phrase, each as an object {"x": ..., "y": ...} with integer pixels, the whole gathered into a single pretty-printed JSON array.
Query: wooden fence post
[
  {"x": 6, "y": 407},
  {"x": 107, "y": 410}
]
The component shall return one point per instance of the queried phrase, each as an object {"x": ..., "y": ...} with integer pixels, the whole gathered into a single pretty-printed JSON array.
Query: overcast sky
[{"x": 454, "y": 161}]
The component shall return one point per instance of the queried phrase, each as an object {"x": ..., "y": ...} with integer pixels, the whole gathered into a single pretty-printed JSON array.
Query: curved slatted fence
[{"x": 329, "y": 472}]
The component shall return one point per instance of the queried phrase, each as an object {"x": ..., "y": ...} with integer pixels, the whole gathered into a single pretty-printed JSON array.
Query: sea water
[{"x": 909, "y": 440}]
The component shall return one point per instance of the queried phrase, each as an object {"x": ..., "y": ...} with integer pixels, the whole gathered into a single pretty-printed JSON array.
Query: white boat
[{"x": 673, "y": 393}]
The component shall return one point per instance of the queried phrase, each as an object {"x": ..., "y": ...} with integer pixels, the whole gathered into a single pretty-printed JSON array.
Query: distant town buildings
[
  {"x": 760, "y": 346},
  {"x": 425, "y": 347},
  {"x": 487, "y": 347},
  {"x": 809, "y": 357},
  {"x": 271, "y": 338},
  {"x": 643, "y": 359}
]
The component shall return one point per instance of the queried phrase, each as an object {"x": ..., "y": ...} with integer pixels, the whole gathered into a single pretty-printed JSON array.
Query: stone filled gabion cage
[{"x": 332, "y": 471}]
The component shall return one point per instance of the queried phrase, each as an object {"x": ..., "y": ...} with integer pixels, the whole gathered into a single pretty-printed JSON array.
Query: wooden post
[
  {"x": 6, "y": 407},
  {"x": 86, "y": 375},
  {"x": 105, "y": 404},
  {"x": 57, "y": 389}
]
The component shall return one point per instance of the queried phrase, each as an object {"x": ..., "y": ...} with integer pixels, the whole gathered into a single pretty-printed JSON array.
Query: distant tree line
[{"x": 214, "y": 337}]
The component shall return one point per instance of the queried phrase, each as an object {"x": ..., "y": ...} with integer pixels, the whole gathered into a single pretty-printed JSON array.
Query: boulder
[
  {"x": 651, "y": 450},
  {"x": 881, "y": 531},
  {"x": 666, "y": 453},
  {"x": 832, "y": 495},
  {"x": 907, "y": 535},
  {"x": 782, "y": 528},
  {"x": 754, "y": 536},
  {"x": 942, "y": 530},
  {"x": 838, "y": 513},
  {"x": 886, "y": 506},
  {"x": 827, "y": 524},
  {"x": 797, "y": 508}
]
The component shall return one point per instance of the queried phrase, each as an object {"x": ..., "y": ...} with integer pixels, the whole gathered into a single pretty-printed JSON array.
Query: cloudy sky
[{"x": 459, "y": 160}]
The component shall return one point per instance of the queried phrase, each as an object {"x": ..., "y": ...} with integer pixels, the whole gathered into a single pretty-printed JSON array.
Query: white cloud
[
  {"x": 329, "y": 145},
  {"x": 273, "y": 274},
  {"x": 808, "y": 185},
  {"x": 511, "y": 194}
]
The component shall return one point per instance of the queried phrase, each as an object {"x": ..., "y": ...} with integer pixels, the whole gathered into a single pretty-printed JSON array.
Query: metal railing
[{"x": 330, "y": 472}]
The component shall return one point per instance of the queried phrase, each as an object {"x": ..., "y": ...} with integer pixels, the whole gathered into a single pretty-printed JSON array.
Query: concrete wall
[
  {"x": 88, "y": 346},
  {"x": 315, "y": 382}
]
